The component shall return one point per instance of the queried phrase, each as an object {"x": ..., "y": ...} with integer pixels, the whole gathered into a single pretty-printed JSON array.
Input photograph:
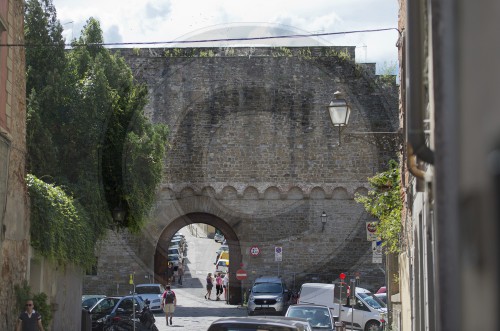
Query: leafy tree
[
  {"x": 86, "y": 130},
  {"x": 384, "y": 202}
]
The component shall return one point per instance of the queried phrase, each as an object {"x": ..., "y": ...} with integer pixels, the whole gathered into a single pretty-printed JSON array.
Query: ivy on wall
[
  {"x": 60, "y": 230},
  {"x": 384, "y": 202}
]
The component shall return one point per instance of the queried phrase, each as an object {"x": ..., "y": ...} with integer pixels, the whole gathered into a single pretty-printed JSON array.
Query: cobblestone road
[{"x": 194, "y": 312}]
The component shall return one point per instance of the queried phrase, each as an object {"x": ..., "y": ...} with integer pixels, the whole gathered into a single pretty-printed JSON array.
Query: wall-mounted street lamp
[
  {"x": 323, "y": 221},
  {"x": 339, "y": 112}
]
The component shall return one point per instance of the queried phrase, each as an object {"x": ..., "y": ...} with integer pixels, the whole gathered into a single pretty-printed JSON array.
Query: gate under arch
[{"x": 235, "y": 258}]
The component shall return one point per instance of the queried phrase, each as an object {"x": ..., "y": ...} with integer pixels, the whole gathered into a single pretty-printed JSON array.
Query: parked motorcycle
[{"x": 143, "y": 321}]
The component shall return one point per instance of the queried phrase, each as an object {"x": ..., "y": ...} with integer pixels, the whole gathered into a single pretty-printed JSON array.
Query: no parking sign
[{"x": 278, "y": 254}]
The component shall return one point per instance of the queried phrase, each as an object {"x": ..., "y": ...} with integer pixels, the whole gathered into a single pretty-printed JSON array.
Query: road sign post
[{"x": 241, "y": 275}]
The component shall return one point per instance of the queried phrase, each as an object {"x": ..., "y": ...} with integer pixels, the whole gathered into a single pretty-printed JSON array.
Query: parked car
[
  {"x": 222, "y": 265},
  {"x": 89, "y": 300},
  {"x": 365, "y": 310},
  {"x": 113, "y": 308},
  {"x": 181, "y": 242},
  {"x": 319, "y": 316},
  {"x": 256, "y": 324},
  {"x": 304, "y": 322},
  {"x": 382, "y": 297},
  {"x": 175, "y": 250},
  {"x": 268, "y": 295},
  {"x": 175, "y": 259},
  {"x": 152, "y": 292},
  {"x": 222, "y": 248},
  {"x": 219, "y": 237}
]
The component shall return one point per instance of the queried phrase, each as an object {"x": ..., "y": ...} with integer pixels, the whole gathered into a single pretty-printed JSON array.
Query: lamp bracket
[{"x": 381, "y": 139}]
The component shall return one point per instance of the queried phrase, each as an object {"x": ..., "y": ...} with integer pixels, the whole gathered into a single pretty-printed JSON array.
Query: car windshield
[
  {"x": 372, "y": 300},
  {"x": 267, "y": 288},
  {"x": 318, "y": 317},
  {"x": 106, "y": 305},
  {"x": 148, "y": 290}
]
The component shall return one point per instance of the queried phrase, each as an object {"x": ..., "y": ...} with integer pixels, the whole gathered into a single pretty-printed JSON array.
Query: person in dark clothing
[
  {"x": 180, "y": 273},
  {"x": 29, "y": 320},
  {"x": 210, "y": 285},
  {"x": 170, "y": 273}
]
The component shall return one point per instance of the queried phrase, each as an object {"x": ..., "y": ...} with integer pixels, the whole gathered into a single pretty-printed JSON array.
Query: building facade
[
  {"x": 448, "y": 268},
  {"x": 14, "y": 220}
]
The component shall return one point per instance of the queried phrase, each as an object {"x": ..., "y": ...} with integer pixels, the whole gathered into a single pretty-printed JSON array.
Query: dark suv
[{"x": 268, "y": 295}]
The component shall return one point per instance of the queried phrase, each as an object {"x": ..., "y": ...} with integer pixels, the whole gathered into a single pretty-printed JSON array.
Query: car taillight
[{"x": 117, "y": 319}]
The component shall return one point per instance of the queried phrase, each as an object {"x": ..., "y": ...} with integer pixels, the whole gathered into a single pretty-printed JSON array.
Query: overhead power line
[{"x": 291, "y": 36}]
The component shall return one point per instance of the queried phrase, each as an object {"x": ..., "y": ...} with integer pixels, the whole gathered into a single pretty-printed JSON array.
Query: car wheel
[{"x": 372, "y": 326}]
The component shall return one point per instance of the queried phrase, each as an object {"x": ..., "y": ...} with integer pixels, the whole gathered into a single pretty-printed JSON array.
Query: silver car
[
  {"x": 257, "y": 324},
  {"x": 268, "y": 295},
  {"x": 152, "y": 292},
  {"x": 320, "y": 317}
]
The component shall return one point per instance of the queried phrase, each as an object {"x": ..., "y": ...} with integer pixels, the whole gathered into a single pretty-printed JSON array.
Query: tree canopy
[
  {"x": 384, "y": 202},
  {"x": 86, "y": 128}
]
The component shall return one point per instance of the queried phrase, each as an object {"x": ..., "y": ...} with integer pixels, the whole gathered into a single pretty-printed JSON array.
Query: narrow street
[{"x": 194, "y": 312}]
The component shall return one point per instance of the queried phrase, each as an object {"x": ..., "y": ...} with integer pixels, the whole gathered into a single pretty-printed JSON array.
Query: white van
[{"x": 369, "y": 311}]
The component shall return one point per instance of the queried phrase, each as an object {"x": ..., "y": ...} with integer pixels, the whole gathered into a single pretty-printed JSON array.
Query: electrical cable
[{"x": 201, "y": 40}]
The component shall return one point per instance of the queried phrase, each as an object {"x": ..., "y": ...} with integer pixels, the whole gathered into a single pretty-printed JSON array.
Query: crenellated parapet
[{"x": 262, "y": 191}]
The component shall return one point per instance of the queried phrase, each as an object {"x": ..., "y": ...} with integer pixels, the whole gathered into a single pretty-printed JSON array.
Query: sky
[{"x": 173, "y": 20}]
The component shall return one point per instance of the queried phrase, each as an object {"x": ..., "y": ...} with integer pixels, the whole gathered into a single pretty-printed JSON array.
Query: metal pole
[
  {"x": 352, "y": 301},
  {"x": 340, "y": 302},
  {"x": 242, "y": 295},
  {"x": 133, "y": 305}
]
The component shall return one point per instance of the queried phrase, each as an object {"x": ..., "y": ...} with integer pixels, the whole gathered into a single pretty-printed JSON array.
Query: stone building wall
[
  {"x": 252, "y": 143},
  {"x": 14, "y": 229}
]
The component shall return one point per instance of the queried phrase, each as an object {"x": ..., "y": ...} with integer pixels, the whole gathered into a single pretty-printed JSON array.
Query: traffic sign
[
  {"x": 241, "y": 274},
  {"x": 278, "y": 254},
  {"x": 342, "y": 276},
  {"x": 254, "y": 251}
]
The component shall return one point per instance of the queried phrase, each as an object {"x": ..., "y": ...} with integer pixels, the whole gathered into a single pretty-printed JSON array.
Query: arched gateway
[{"x": 253, "y": 153}]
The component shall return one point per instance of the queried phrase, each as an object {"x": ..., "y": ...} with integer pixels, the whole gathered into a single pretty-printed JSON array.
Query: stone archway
[{"x": 235, "y": 258}]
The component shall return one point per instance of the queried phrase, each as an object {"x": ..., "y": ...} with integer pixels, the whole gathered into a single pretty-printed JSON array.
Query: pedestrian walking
[
  {"x": 29, "y": 320},
  {"x": 170, "y": 273},
  {"x": 225, "y": 286},
  {"x": 180, "y": 273},
  {"x": 210, "y": 285},
  {"x": 218, "y": 286},
  {"x": 169, "y": 302}
]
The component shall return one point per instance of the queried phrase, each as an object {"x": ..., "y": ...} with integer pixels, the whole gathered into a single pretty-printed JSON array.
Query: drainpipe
[
  {"x": 414, "y": 83},
  {"x": 411, "y": 162}
]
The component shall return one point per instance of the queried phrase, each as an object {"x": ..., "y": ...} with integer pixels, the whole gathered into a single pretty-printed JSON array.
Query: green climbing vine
[
  {"x": 60, "y": 229},
  {"x": 384, "y": 202}
]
